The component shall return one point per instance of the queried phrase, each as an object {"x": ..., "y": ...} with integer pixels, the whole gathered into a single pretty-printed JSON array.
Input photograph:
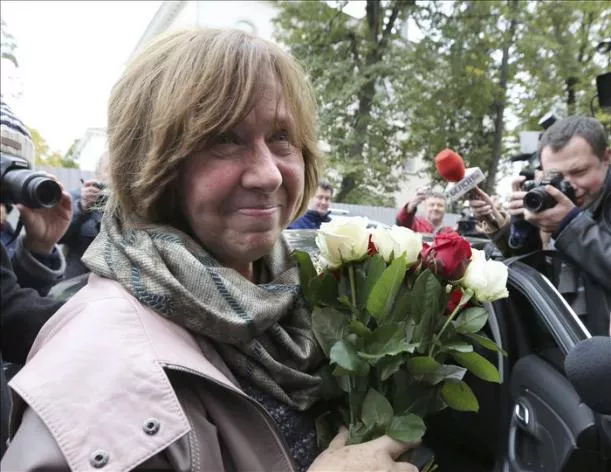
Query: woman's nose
[{"x": 262, "y": 171}]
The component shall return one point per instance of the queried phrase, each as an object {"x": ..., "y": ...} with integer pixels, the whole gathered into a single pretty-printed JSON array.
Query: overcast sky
[{"x": 70, "y": 54}]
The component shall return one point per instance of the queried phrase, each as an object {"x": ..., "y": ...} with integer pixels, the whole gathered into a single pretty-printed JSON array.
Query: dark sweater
[{"x": 311, "y": 220}]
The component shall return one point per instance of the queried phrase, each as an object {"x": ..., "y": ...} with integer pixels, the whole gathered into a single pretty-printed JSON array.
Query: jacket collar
[{"x": 97, "y": 367}]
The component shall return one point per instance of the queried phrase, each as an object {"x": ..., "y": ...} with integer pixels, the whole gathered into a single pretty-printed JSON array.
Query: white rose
[
  {"x": 397, "y": 241},
  {"x": 487, "y": 279},
  {"x": 343, "y": 240}
]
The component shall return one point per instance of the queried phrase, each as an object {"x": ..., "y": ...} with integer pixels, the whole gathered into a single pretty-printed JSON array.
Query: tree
[
  {"x": 558, "y": 64},
  {"x": 7, "y": 44},
  {"x": 456, "y": 81},
  {"x": 46, "y": 157},
  {"x": 353, "y": 66}
]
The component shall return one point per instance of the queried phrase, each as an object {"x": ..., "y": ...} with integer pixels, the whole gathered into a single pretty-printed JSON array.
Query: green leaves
[
  {"x": 406, "y": 428},
  {"x": 329, "y": 326},
  {"x": 388, "y": 340},
  {"x": 485, "y": 343},
  {"x": 471, "y": 320},
  {"x": 477, "y": 365},
  {"x": 382, "y": 296},
  {"x": 459, "y": 396},
  {"x": 344, "y": 355},
  {"x": 377, "y": 410}
]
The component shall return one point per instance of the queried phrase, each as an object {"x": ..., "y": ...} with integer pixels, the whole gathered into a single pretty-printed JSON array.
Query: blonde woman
[{"x": 190, "y": 348}]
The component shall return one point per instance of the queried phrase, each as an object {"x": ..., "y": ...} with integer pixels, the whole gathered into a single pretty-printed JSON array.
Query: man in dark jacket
[
  {"x": 86, "y": 219},
  {"x": 318, "y": 210},
  {"x": 576, "y": 146}
]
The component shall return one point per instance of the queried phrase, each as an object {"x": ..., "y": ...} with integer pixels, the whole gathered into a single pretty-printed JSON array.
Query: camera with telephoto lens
[
  {"x": 20, "y": 184},
  {"x": 537, "y": 199}
]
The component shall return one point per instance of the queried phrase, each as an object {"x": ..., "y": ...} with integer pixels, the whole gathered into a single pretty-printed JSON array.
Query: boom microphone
[
  {"x": 588, "y": 368},
  {"x": 451, "y": 168}
]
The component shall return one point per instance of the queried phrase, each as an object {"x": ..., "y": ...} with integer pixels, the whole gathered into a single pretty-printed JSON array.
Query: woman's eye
[
  {"x": 281, "y": 135},
  {"x": 227, "y": 138}
]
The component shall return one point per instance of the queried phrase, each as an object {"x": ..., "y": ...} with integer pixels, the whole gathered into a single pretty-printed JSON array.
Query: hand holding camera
[
  {"x": 92, "y": 194},
  {"x": 422, "y": 193},
  {"x": 545, "y": 202}
]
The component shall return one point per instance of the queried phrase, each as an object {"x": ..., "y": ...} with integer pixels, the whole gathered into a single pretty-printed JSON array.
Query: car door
[{"x": 547, "y": 426}]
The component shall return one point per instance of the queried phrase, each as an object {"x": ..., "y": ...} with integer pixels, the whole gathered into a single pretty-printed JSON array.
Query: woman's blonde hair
[{"x": 182, "y": 91}]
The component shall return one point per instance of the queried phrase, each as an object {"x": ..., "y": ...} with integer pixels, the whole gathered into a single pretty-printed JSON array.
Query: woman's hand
[
  {"x": 376, "y": 455},
  {"x": 484, "y": 205}
]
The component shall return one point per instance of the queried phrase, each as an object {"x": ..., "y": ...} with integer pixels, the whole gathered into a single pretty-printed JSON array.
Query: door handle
[{"x": 522, "y": 413}]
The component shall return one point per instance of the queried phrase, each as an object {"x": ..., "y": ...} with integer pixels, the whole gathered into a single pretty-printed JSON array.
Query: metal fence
[
  {"x": 383, "y": 214},
  {"x": 70, "y": 178}
]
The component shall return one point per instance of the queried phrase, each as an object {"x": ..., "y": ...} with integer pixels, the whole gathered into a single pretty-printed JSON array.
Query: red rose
[
  {"x": 372, "y": 250},
  {"x": 448, "y": 256},
  {"x": 453, "y": 301}
]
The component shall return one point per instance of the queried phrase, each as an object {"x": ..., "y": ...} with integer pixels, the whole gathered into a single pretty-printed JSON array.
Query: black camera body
[
  {"x": 537, "y": 199},
  {"x": 20, "y": 184}
]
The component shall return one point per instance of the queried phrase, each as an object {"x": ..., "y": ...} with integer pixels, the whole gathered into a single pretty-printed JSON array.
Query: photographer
[
  {"x": 37, "y": 263},
  {"x": 86, "y": 219},
  {"x": 577, "y": 219}
]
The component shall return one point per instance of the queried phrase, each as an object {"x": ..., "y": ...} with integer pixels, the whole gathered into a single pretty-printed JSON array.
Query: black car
[{"x": 534, "y": 420}]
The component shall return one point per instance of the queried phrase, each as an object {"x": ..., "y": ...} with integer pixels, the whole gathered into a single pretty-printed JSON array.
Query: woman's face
[{"x": 243, "y": 189}]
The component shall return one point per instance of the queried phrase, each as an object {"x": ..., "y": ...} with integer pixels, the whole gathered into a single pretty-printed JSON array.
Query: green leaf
[
  {"x": 387, "y": 340},
  {"x": 388, "y": 365},
  {"x": 471, "y": 320},
  {"x": 422, "y": 365},
  {"x": 367, "y": 274},
  {"x": 382, "y": 296},
  {"x": 307, "y": 273},
  {"x": 344, "y": 355},
  {"x": 360, "y": 433},
  {"x": 377, "y": 410},
  {"x": 459, "y": 396},
  {"x": 328, "y": 291},
  {"x": 477, "y": 365},
  {"x": 329, "y": 326},
  {"x": 485, "y": 343},
  {"x": 412, "y": 397},
  {"x": 401, "y": 310},
  {"x": 428, "y": 370},
  {"x": 429, "y": 302},
  {"x": 406, "y": 428},
  {"x": 427, "y": 296},
  {"x": 456, "y": 345},
  {"x": 359, "y": 328}
]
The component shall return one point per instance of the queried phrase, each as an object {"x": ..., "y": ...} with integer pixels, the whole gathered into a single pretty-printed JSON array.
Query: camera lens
[
  {"x": 538, "y": 200},
  {"x": 44, "y": 192}
]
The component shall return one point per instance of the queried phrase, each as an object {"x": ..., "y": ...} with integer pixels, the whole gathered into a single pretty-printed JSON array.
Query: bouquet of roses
[{"x": 397, "y": 320}]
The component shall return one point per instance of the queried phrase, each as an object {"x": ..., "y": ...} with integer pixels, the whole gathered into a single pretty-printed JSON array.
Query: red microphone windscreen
[{"x": 450, "y": 165}]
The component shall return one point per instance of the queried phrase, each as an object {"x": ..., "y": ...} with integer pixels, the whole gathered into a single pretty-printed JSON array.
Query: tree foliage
[
  {"x": 47, "y": 157},
  {"x": 480, "y": 73},
  {"x": 353, "y": 65},
  {"x": 8, "y": 45}
]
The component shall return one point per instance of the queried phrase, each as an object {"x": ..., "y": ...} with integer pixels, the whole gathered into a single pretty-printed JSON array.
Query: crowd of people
[{"x": 190, "y": 347}]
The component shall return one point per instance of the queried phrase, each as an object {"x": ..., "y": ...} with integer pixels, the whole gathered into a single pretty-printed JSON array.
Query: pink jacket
[{"x": 111, "y": 385}]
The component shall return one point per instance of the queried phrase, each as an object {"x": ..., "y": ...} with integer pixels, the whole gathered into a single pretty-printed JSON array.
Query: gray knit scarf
[{"x": 262, "y": 331}]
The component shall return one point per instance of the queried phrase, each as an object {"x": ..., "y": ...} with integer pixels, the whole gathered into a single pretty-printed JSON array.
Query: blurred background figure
[
  {"x": 87, "y": 211},
  {"x": 318, "y": 208},
  {"x": 435, "y": 210}
]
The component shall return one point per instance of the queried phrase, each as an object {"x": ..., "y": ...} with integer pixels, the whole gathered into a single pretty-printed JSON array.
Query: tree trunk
[
  {"x": 571, "y": 82},
  {"x": 360, "y": 133},
  {"x": 499, "y": 104}
]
